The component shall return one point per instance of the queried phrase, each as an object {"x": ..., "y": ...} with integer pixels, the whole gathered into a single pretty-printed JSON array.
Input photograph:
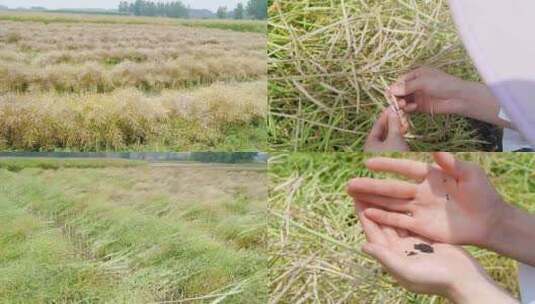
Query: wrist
[
  {"x": 513, "y": 235},
  {"x": 500, "y": 230},
  {"x": 478, "y": 102},
  {"x": 472, "y": 95},
  {"x": 480, "y": 289},
  {"x": 462, "y": 291}
]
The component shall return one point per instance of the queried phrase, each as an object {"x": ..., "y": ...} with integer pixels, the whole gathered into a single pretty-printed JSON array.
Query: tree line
[
  {"x": 172, "y": 9},
  {"x": 255, "y": 9}
]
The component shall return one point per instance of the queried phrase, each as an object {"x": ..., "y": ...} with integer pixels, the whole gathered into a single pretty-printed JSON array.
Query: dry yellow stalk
[{"x": 393, "y": 101}]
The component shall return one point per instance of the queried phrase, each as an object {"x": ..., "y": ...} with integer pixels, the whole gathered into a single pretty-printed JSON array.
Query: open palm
[
  {"x": 452, "y": 201},
  {"x": 419, "y": 271}
]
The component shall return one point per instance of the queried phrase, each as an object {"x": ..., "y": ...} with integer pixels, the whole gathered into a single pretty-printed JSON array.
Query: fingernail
[{"x": 367, "y": 248}]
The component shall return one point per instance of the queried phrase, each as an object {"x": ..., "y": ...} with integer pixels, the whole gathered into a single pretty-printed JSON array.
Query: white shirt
[
  {"x": 526, "y": 277},
  {"x": 512, "y": 139}
]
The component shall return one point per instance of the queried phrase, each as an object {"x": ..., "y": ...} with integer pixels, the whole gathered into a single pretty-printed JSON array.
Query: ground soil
[{"x": 491, "y": 135}]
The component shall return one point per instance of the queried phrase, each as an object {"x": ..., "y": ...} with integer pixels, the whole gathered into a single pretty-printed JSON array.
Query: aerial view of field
[
  {"x": 314, "y": 237},
  {"x": 331, "y": 61},
  {"x": 113, "y": 83},
  {"x": 112, "y": 231}
]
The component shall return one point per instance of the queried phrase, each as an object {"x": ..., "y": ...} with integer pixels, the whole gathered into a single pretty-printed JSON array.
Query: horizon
[{"x": 210, "y": 5}]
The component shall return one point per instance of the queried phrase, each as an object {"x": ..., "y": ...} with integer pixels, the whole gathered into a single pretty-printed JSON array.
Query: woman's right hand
[
  {"x": 432, "y": 91},
  {"x": 451, "y": 201}
]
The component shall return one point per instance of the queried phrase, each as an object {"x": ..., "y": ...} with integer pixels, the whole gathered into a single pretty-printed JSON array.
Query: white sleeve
[
  {"x": 526, "y": 276},
  {"x": 503, "y": 116}
]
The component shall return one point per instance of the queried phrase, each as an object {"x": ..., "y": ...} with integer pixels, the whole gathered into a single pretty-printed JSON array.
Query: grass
[
  {"x": 55, "y": 17},
  {"x": 115, "y": 86},
  {"x": 18, "y": 164},
  {"x": 134, "y": 234},
  {"x": 37, "y": 263},
  {"x": 330, "y": 62},
  {"x": 314, "y": 241}
]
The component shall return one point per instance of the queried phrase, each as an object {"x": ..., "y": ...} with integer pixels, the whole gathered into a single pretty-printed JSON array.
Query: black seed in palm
[{"x": 424, "y": 248}]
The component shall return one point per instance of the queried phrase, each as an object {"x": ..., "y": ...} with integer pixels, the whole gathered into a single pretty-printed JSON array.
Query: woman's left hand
[
  {"x": 386, "y": 134},
  {"x": 423, "y": 266}
]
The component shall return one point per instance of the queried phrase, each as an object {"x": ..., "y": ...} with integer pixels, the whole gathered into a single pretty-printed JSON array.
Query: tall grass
[
  {"x": 314, "y": 238},
  {"x": 150, "y": 232},
  {"x": 131, "y": 120},
  {"x": 330, "y": 62}
]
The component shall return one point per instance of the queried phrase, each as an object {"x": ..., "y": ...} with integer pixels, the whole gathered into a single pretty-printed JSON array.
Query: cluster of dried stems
[
  {"x": 112, "y": 86},
  {"x": 125, "y": 117},
  {"x": 254, "y": 26},
  {"x": 101, "y": 58},
  {"x": 330, "y": 63}
]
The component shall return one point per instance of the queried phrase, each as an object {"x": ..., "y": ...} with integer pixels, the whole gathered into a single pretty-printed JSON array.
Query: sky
[{"x": 55, "y": 4}]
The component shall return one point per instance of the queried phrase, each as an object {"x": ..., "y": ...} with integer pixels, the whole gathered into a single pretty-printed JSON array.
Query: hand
[
  {"x": 436, "y": 272},
  {"x": 432, "y": 91},
  {"x": 452, "y": 201},
  {"x": 386, "y": 134}
]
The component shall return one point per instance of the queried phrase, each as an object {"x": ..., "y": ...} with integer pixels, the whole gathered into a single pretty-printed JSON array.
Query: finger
[
  {"x": 452, "y": 166},
  {"x": 390, "y": 188},
  {"x": 372, "y": 231},
  {"x": 390, "y": 233},
  {"x": 389, "y": 203},
  {"x": 409, "y": 85},
  {"x": 387, "y": 258},
  {"x": 402, "y": 233},
  {"x": 411, "y": 107},
  {"x": 394, "y": 219},
  {"x": 408, "y": 103},
  {"x": 394, "y": 124},
  {"x": 378, "y": 130},
  {"x": 410, "y": 75},
  {"x": 414, "y": 170}
]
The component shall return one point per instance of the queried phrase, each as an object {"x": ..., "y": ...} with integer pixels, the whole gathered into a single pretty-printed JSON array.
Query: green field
[
  {"x": 93, "y": 231},
  {"x": 314, "y": 241}
]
